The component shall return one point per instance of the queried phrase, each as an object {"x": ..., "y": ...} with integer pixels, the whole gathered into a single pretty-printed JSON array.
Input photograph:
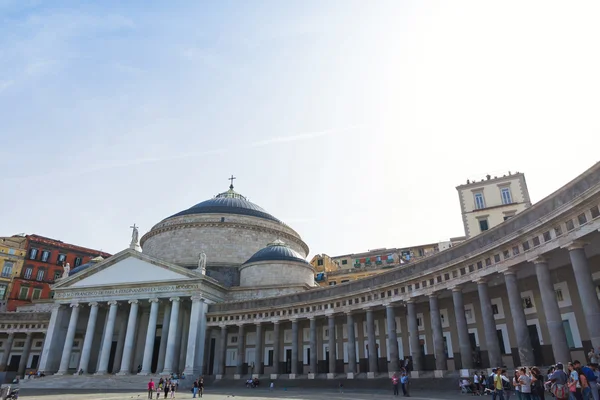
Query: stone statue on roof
[
  {"x": 202, "y": 263},
  {"x": 66, "y": 270}
]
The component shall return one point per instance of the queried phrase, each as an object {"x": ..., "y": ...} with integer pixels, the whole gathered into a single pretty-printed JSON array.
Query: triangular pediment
[{"x": 128, "y": 267}]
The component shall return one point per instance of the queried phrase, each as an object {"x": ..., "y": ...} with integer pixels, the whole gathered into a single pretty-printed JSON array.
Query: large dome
[
  {"x": 276, "y": 251},
  {"x": 229, "y": 202}
]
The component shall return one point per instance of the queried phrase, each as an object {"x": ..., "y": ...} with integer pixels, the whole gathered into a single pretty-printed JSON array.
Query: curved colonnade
[{"x": 523, "y": 293}]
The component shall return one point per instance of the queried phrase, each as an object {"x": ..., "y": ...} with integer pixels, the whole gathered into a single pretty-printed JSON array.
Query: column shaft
[
  {"x": 183, "y": 350},
  {"x": 51, "y": 334},
  {"x": 519, "y": 320},
  {"x": 222, "y": 356},
  {"x": 438, "y": 336},
  {"x": 173, "y": 325},
  {"x": 276, "y": 347},
  {"x": 68, "y": 345},
  {"x": 121, "y": 323},
  {"x": 351, "y": 343},
  {"x": 7, "y": 350},
  {"x": 84, "y": 361},
  {"x": 150, "y": 338},
  {"x": 413, "y": 328},
  {"x": 164, "y": 336},
  {"x": 24, "y": 356},
  {"x": 392, "y": 338},
  {"x": 560, "y": 347},
  {"x": 239, "y": 368},
  {"x": 587, "y": 293},
  {"x": 129, "y": 337},
  {"x": 107, "y": 339},
  {"x": 373, "y": 367},
  {"x": 258, "y": 354},
  {"x": 331, "y": 343},
  {"x": 192, "y": 342},
  {"x": 489, "y": 324},
  {"x": 466, "y": 351},
  {"x": 294, "y": 347},
  {"x": 313, "y": 345}
]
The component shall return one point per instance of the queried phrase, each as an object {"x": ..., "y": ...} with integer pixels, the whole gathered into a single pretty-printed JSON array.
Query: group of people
[
  {"x": 401, "y": 379},
  {"x": 169, "y": 386},
  {"x": 576, "y": 383}
]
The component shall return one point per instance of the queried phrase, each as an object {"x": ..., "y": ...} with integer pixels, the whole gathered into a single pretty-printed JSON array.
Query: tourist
[
  {"x": 167, "y": 388},
  {"x": 272, "y": 386},
  {"x": 201, "y": 386},
  {"x": 195, "y": 388},
  {"x": 151, "y": 388},
  {"x": 558, "y": 381},
  {"x": 574, "y": 385},
  {"x": 173, "y": 389},
  {"x": 507, "y": 383},
  {"x": 593, "y": 356},
  {"x": 586, "y": 392},
  {"x": 498, "y": 384},
  {"x": 525, "y": 384},
  {"x": 591, "y": 378},
  {"x": 476, "y": 383},
  {"x": 537, "y": 384},
  {"x": 395, "y": 382},
  {"x": 404, "y": 381}
]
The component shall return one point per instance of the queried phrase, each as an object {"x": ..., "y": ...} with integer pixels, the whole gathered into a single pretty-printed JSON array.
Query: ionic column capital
[
  {"x": 312, "y": 318},
  {"x": 349, "y": 313},
  {"x": 258, "y": 323},
  {"x": 112, "y": 303},
  {"x": 481, "y": 281},
  {"x": 93, "y": 304},
  {"x": 433, "y": 295},
  {"x": 174, "y": 299},
  {"x": 134, "y": 301},
  {"x": 457, "y": 288},
  {"x": 574, "y": 245},
  {"x": 74, "y": 305},
  {"x": 509, "y": 271},
  {"x": 197, "y": 298},
  {"x": 153, "y": 300}
]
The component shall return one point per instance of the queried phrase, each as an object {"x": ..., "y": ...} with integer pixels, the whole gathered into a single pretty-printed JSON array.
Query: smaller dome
[
  {"x": 276, "y": 251},
  {"x": 85, "y": 266}
]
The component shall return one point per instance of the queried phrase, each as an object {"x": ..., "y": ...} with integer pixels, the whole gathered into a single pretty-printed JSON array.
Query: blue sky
[{"x": 352, "y": 121}]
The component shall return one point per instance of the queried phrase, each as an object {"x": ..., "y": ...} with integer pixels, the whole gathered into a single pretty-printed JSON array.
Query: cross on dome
[{"x": 231, "y": 179}]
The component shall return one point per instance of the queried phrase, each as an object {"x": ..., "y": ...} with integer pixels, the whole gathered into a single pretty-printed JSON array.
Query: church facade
[{"x": 224, "y": 289}]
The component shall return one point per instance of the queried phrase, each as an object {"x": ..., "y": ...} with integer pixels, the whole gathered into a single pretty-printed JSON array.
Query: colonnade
[
  {"x": 560, "y": 347},
  {"x": 27, "y": 339}
]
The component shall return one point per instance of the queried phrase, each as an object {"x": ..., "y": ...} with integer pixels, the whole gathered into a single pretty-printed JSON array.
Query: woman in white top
[
  {"x": 476, "y": 383},
  {"x": 525, "y": 382},
  {"x": 517, "y": 385}
]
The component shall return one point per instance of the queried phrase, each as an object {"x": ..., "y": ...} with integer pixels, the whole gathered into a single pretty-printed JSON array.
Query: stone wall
[{"x": 276, "y": 273}]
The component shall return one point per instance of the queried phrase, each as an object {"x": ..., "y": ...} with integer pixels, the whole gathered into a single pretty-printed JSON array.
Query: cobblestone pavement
[{"x": 242, "y": 394}]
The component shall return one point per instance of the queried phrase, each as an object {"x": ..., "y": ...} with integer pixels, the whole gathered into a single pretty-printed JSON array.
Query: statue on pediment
[
  {"x": 202, "y": 263},
  {"x": 66, "y": 270}
]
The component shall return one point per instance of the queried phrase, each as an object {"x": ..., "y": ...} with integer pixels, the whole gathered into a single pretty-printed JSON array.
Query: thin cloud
[
  {"x": 303, "y": 136},
  {"x": 5, "y": 84}
]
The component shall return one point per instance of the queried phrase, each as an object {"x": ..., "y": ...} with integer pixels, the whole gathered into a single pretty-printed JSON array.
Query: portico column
[
  {"x": 24, "y": 356},
  {"x": 438, "y": 336},
  {"x": 489, "y": 324},
  {"x": 173, "y": 322},
  {"x": 587, "y": 291},
  {"x": 129, "y": 336},
  {"x": 192, "y": 342},
  {"x": 276, "y": 347},
  {"x": 392, "y": 338},
  {"x": 258, "y": 353},
  {"x": 519, "y": 320},
  {"x": 68, "y": 345},
  {"x": 372, "y": 344},
  {"x": 49, "y": 349},
  {"x": 294, "y": 347},
  {"x": 560, "y": 346},
  {"x": 164, "y": 336},
  {"x": 351, "y": 345},
  {"x": 313, "y": 345},
  {"x": 84, "y": 361},
  {"x": 222, "y": 355},
  {"x": 121, "y": 327},
  {"x": 413, "y": 328},
  {"x": 150, "y": 338},
  {"x": 239, "y": 368},
  {"x": 466, "y": 351},
  {"x": 7, "y": 350},
  {"x": 331, "y": 345},
  {"x": 107, "y": 339}
]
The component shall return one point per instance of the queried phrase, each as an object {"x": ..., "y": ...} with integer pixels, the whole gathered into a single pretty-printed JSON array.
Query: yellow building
[
  {"x": 491, "y": 201},
  {"x": 12, "y": 255}
]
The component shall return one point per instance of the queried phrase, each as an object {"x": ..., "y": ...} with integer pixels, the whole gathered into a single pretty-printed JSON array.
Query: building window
[
  {"x": 559, "y": 294},
  {"x": 479, "y": 265},
  {"x": 582, "y": 219},
  {"x": 515, "y": 250},
  {"x": 36, "y": 294},
  {"x": 536, "y": 241},
  {"x": 506, "y": 197},
  {"x": 595, "y": 212},
  {"x": 320, "y": 262},
  {"x": 421, "y": 252},
  {"x": 45, "y": 255},
  {"x": 527, "y": 303},
  {"x": 40, "y": 275},
  {"x": 57, "y": 275},
  {"x": 463, "y": 271},
  {"x": 77, "y": 261},
  {"x": 61, "y": 259},
  {"x": 446, "y": 276},
  {"x": 7, "y": 269},
  {"x": 483, "y": 225},
  {"x": 23, "y": 292},
  {"x": 547, "y": 236},
  {"x": 570, "y": 225},
  {"x": 506, "y": 254},
  {"x": 28, "y": 272},
  {"x": 344, "y": 262},
  {"x": 2, "y": 291},
  {"x": 332, "y": 283},
  {"x": 525, "y": 246},
  {"x": 506, "y": 217},
  {"x": 496, "y": 258},
  {"x": 471, "y": 268},
  {"x": 479, "y": 202},
  {"x": 558, "y": 231},
  {"x": 488, "y": 262},
  {"x": 33, "y": 254},
  {"x": 495, "y": 309}
]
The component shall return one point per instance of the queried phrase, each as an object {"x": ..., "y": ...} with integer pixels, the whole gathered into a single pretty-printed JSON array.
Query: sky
[{"x": 352, "y": 121}]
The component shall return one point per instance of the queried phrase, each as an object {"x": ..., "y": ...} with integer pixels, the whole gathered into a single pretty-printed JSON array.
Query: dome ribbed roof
[
  {"x": 229, "y": 202},
  {"x": 276, "y": 251}
]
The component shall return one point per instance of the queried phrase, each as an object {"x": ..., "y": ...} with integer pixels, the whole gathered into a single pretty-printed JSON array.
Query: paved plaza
[{"x": 242, "y": 394}]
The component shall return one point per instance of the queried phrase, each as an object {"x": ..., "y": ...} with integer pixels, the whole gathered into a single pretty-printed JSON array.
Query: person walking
[
  {"x": 151, "y": 388},
  {"x": 195, "y": 389},
  {"x": 404, "y": 381},
  {"x": 395, "y": 382}
]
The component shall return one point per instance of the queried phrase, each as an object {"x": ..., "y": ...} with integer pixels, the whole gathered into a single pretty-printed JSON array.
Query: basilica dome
[{"x": 228, "y": 228}]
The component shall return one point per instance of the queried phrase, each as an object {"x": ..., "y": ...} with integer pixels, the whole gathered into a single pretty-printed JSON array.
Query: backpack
[
  {"x": 506, "y": 385},
  {"x": 559, "y": 391},
  {"x": 490, "y": 382},
  {"x": 589, "y": 374}
]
